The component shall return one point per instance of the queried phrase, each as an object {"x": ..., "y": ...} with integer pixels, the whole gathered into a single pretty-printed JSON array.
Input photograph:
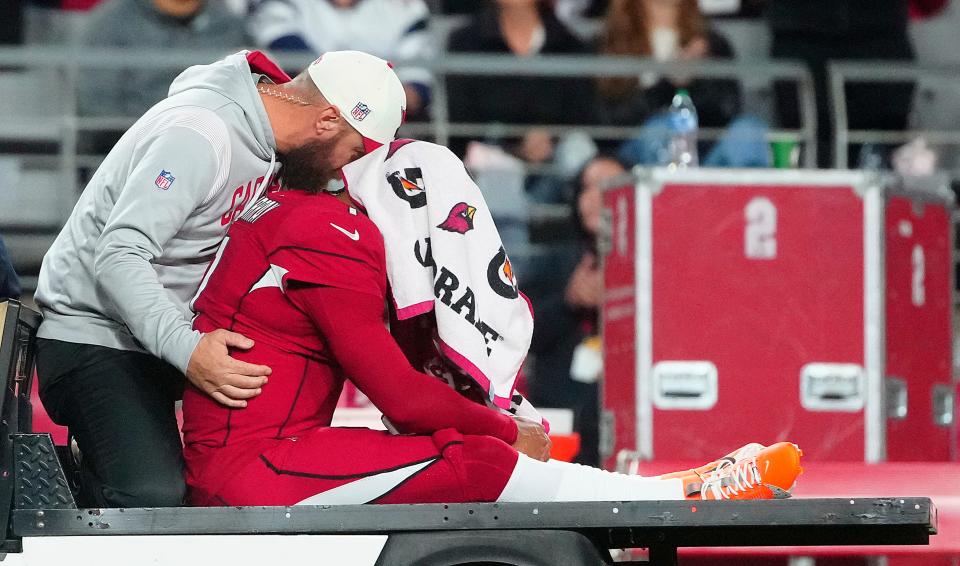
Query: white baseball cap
[{"x": 365, "y": 89}]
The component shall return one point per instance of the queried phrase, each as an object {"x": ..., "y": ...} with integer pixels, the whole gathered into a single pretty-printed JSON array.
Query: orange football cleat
[
  {"x": 746, "y": 451},
  {"x": 769, "y": 474}
]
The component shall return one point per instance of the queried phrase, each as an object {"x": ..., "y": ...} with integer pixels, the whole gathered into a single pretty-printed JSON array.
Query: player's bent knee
[
  {"x": 484, "y": 463},
  {"x": 152, "y": 492}
]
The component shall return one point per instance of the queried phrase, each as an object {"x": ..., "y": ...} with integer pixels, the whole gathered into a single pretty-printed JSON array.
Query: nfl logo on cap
[
  {"x": 164, "y": 179},
  {"x": 365, "y": 90},
  {"x": 360, "y": 111}
]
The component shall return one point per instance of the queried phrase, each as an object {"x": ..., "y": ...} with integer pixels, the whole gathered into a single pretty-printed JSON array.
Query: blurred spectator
[
  {"x": 525, "y": 28},
  {"x": 11, "y": 14},
  {"x": 9, "y": 284},
  {"x": 674, "y": 30},
  {"x": 501, "y": 178},
  {"x": 565, "y": 338},
  {"x": 560, "y": 163},
  {"x": 666, "y": 30},
  {"x": 937, "y": 103},
  {"x": 541, "y": 184},
  {"x": 240, "y": 8},
  {"x": 460, "y": 7},
  {"x": 818, "y": 31},
  {"x": 920, "y": 9},
  {"x": 150, "y": 24},
  {"x": 741, "y": 144},
  {"x": 573, "y": 9},
  {"x": 733, "y": 9},
  {"x": 79, "y": 5},
  {"x": 390, "y": 29},
  {"x": 582, "y": 17}
]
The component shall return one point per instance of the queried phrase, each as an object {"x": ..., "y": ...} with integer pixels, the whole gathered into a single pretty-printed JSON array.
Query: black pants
[
  {"x": 120, "y": 407},
  {"x": 870, "y": 106}
]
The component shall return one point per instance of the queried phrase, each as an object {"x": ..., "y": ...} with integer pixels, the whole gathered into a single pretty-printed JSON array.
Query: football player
[{"x": 304, "y": 274}]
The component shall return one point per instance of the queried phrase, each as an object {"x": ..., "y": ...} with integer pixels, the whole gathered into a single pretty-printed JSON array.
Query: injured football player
[{"x": 304, "y": 274}]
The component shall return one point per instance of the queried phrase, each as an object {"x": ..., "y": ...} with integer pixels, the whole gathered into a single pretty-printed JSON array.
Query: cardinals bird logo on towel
[
  {"x": 409, "y": 186},
  {"x": 500, "y": 276},
  {"x": 460, "y": 219}
]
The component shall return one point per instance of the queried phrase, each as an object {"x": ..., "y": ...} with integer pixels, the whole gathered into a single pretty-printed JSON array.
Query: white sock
[{"x": 535, "y": 481}]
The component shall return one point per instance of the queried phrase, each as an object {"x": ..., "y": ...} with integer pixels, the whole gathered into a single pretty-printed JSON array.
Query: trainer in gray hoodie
[
  {"x": 124, "y": 268},
  {"x": 122, "y": 272}
]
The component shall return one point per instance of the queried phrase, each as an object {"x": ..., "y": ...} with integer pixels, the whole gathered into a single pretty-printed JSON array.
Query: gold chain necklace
[{"x": 264, "y": 89}]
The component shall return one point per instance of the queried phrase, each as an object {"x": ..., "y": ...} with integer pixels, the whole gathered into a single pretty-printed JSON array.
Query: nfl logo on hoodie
[{"x": 164, "y": 179}]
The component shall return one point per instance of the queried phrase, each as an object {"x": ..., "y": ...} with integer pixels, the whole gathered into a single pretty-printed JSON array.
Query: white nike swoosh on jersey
[
  {"x": 355, "y": 235},
  {"x": 365, "y": 489}
]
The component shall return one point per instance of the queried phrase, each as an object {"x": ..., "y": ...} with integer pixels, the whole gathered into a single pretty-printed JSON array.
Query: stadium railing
[
  {"x": 924, "y": 77},
  {"x": 71, "y": 64},
  {"x": 45, "y": 112}
]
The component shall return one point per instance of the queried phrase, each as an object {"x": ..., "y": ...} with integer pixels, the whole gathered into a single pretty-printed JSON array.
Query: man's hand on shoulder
[
  {"x": 532, "y": 440},
  {"x": 229, "y": 381}
]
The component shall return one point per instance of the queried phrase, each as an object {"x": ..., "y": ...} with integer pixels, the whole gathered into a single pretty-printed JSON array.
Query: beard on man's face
[{"x": 308, "y": 167}]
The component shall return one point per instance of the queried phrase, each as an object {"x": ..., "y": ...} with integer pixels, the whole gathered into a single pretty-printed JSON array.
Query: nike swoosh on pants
[{"x": 365, "y": 489}]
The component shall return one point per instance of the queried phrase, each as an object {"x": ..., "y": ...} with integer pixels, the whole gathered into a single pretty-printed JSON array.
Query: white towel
[{"x": 444, "y": 254}]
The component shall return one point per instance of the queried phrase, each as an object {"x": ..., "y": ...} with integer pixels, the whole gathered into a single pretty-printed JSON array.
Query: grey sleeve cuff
[{"x": 180, "y": 347}]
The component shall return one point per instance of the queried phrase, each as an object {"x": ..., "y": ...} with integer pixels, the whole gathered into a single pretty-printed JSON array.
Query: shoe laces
[{"x": 729, "y": 479}]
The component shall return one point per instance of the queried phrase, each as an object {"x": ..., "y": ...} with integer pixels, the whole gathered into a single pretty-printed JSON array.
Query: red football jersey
[{"x": 284, "y": 238}]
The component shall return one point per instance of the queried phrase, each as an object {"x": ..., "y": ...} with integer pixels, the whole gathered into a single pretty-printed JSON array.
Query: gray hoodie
[{"x": 123, "y": 270}]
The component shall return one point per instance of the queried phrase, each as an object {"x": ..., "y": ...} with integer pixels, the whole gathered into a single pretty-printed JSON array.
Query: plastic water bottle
[{"x": 682, "y": 116}]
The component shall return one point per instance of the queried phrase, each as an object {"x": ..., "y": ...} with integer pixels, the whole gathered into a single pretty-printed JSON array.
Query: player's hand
[
  {"x": 532, "y": 440},
  {"x": 229, "y": 381}
]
